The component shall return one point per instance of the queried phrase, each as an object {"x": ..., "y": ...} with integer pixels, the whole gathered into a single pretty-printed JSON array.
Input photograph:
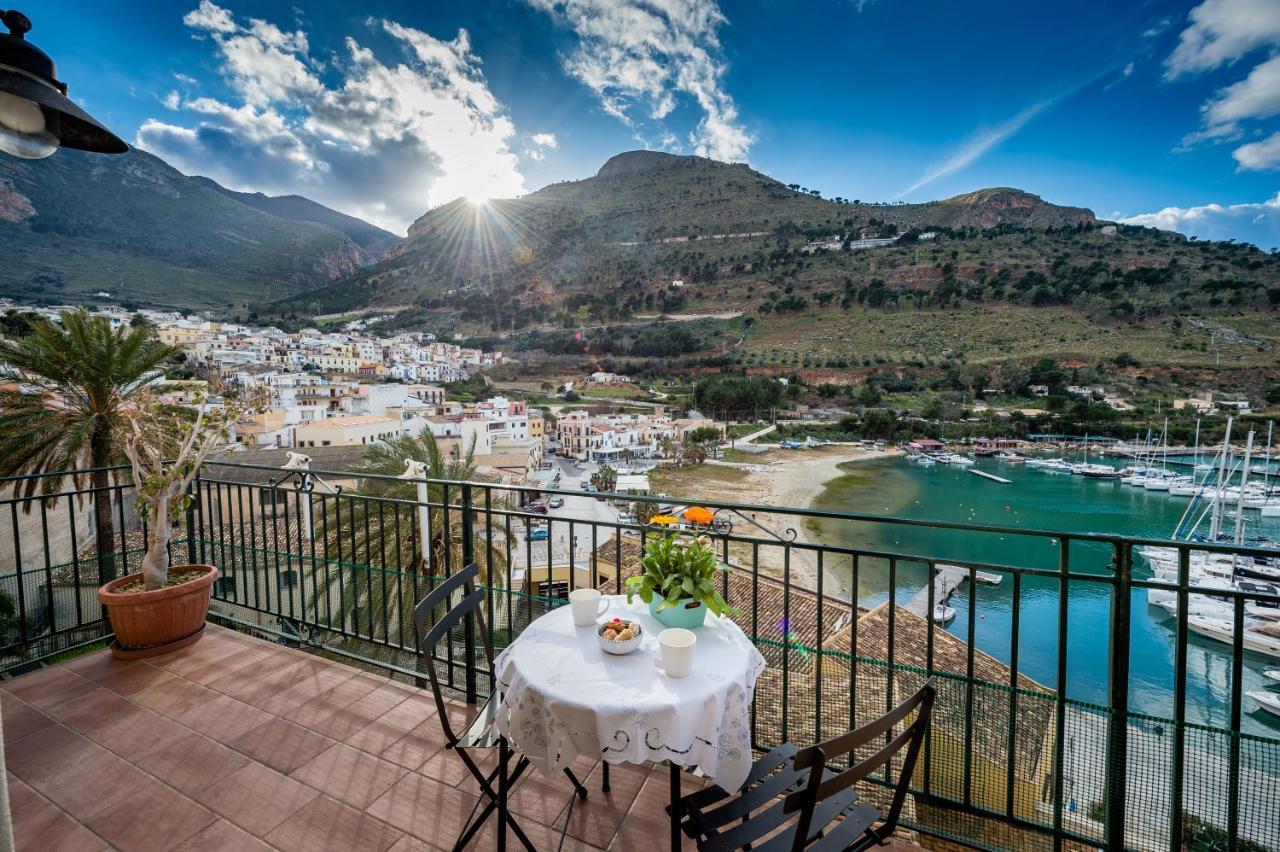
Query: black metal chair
[
  {"x": 479, "y": 732},
  {"x": 795, "y": 800}
]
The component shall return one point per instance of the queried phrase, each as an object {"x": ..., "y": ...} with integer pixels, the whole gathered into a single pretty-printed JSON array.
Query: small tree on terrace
[{"x": 166, "y": 443}]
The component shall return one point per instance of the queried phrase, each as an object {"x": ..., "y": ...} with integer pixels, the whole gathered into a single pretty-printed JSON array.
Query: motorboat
[
  {"x": 1269, "y": 701},
  {"x": 1098, "y": 471},
  {"x": 943, "y": 614},
  {"x": 1258, "y": 637},
  {"x": 1272, "y": 674}
]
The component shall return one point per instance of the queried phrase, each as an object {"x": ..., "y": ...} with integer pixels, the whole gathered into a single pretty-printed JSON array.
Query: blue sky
[{"x": 1165, "y": 112}]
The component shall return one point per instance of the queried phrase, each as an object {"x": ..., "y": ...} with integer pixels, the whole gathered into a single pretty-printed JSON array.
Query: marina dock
[
  {"x": 946, "y": 579},
  {"x": 991, "y": 476}
]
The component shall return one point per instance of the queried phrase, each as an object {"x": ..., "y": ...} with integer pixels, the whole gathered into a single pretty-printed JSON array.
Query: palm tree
[
  {"x": 70, "y": 385},
  {"x": 373, "y": 526}
]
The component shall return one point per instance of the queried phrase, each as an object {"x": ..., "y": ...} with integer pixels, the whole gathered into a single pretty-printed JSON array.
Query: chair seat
[
  {"x": 480, "y": 732},
  {"x": 754, "y": 817}
]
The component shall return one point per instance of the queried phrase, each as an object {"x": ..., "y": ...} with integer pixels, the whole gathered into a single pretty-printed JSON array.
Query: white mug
[
  {"x": 585, "y": 606},
  {"x": 676, "y": 645}
]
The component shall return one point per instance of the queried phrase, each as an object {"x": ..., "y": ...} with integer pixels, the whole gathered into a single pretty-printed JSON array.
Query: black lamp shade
[{"x": 27, "y": 72}]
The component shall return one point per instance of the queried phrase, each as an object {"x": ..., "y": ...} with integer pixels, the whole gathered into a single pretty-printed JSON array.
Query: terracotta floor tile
[
  {"x": 325, "y": 705},
  {"x": 46, "y": 687},
  {"x": 37, "y": 758},
  {"x": 542, "y": 837},
  {"x": 307, "y": 689},
  {"x": 445, "y": 765},
  {"x": 193, "y": 763},
  {"x": 264, "y": 658},
  {"x": 647, "y": 819},
  {"x": 135, "y": 679},
  {"x": 222, "y": 836},
  {"x": 20, "y": 718},
  {"x": 409, "y": 843},
  {"x": 413, "y": 749},
  {"x": 154, "y": 819},
  {"x": 256, "y": 798},
  {"x": 93, "y": 783},
  {"x": 92, "y": 709},
  {"x": 222, "y": 717},
  {"x": 349, "y": 775},
  {"x": 361, "y": 713},
  {"x": 139, "y": 734},
  {"x": 174, "y": 697},
  {"x": 97, "y": 664},
  {"x": 39, "y": 826},
  {"x": 281, "y": 745},
  {"x": 391, "y": 726},
  {"x": 329, "y": 824},
  {"x": 256, "y": 686},
  {"x": 425, "y": 808}
]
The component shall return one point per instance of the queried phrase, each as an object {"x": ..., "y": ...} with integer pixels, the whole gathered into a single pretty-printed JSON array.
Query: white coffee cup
[
  {"x": 676, "y": 645},
  {"x": 585, "y": 604}
]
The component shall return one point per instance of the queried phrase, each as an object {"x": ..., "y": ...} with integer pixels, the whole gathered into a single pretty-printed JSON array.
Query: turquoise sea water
[{"x": 1045, "y": 501}]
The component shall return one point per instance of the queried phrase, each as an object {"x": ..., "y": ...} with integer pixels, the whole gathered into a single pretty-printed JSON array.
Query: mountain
[
  {"x": 77, "y": 224},
  {"x": 643, "y": 219},
  {"x": 373, "y": 240}
]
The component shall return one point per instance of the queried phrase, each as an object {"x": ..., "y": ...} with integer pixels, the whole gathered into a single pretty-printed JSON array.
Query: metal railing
[{"x": 1045, "y": 732}]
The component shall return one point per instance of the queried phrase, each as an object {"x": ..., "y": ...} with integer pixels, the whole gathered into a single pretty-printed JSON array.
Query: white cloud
[
  {"x": 380, "y": 140},
  {"x": 545, "y": 140},
  {"x": 978, "y": 145},
  {"x": 1223, "y": 32},
  {"x": 210, "y": 17},
  {"x": 642, "y": 58},
  {"x": 1257, "y": 223},
  {"x": 1261, "y": 155}
]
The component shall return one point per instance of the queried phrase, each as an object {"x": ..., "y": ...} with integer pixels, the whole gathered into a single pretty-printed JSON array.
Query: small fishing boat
[{"x": 943, "y": 614}]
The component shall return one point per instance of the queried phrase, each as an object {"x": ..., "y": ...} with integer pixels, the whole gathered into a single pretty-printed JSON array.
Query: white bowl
[{"x": 616, "y": 646}]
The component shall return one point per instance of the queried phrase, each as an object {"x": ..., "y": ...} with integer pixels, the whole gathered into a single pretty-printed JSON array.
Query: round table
[{"x": 563, "y": 696}]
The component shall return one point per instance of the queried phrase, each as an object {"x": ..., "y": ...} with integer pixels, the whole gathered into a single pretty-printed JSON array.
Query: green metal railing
[{"x": 336, "y": 560}]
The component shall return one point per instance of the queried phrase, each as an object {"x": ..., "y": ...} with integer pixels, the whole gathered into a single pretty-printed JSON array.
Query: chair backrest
[
  {"x": 433, "y": 628},
  {"x": 823, "y": 785}
]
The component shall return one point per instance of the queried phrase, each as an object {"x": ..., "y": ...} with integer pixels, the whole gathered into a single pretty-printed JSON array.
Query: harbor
[{"x": 1046, "y": 496}]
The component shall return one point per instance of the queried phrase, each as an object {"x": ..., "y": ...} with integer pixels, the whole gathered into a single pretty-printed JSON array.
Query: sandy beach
[{"x": 775, "y": 477}]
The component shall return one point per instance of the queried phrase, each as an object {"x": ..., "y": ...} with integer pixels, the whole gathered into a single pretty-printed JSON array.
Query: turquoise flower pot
[{"x": 688, "y": 614}]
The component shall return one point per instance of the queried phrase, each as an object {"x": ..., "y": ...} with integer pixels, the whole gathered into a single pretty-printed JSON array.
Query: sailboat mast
[
  {"x": 1215, "y": 522},
  {"x": 1244, "y": 480}
]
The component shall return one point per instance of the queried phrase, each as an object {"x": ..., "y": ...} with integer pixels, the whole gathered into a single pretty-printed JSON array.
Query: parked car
[
  {"x": 556, "y": 502},
  {"x": 539, "y": 534},
  {"x": 589, "y": 488},
  {"x": 540, "y": 508}
]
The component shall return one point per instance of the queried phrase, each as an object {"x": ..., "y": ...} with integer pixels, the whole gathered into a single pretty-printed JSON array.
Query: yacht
[
  {"x": 1257, "y": 636},
  {"x": 1098, "y": 471}
]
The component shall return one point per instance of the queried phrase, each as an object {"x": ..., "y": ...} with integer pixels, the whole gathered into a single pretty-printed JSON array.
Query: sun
[{"x": 477, "y": 200}]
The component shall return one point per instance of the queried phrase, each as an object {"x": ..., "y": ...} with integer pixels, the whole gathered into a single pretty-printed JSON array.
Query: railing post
[
  {"x": 1118, "y": 699},
  {"x": 469, "y": 631},
  {"x": 193, "y": 494}
]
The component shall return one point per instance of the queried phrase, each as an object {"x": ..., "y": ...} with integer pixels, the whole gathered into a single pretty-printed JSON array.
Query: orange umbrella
[{"x": 698, "y": 515}]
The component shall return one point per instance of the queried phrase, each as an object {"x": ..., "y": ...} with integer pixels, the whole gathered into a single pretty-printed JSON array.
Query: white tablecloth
[{"x": 563, "y": 696}]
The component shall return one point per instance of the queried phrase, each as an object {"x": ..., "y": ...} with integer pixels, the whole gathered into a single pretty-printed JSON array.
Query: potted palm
[
  {"x": 678, "y": 581},
  {"x": 163, "y": 607}
]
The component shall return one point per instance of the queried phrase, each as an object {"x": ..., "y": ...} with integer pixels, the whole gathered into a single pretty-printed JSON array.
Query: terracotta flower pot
[{"x": 147, "y": 624}]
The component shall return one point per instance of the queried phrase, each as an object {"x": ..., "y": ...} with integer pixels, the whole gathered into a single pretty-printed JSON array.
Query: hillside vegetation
[
  {"x": 132, "y": 226},
  {"x": 613, "y": 246}
]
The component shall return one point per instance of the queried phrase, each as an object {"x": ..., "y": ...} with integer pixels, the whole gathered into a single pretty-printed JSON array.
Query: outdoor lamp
[{"x": 35, "y": 114}]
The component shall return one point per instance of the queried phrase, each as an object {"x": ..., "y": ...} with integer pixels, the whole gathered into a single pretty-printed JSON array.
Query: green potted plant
[
  {"x": 678, "y": 581},
  {"x": 163, "y": 608}
]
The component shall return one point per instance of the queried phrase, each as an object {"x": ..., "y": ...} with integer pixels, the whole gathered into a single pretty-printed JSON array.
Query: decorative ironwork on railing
[{"x": 1045, "y": 730}]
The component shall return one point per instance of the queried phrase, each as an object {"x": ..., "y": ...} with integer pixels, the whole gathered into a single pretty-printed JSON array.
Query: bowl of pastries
[{"x": 619, "y": 636}]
